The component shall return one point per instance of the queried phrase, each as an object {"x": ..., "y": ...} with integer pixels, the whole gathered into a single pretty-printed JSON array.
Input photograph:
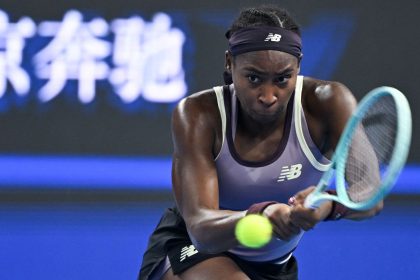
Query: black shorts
[{"x": 171, "y": 239}]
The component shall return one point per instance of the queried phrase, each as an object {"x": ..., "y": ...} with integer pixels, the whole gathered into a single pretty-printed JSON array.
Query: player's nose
[{"x": 268, "y": 96}]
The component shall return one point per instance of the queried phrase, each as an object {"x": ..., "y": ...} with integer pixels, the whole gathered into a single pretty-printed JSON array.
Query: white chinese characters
[
  {"x": 148, "y": 59},
  {"x": 12, "y": 42},
  {"x": 135, "y": 58},
  {"x": 74, "y": 53}
]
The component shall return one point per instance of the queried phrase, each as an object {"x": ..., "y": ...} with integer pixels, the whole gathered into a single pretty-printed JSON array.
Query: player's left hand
[{"x": 307, "y": 218}]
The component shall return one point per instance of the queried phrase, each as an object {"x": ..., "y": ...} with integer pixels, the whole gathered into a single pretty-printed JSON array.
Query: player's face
[{"x": 264, "y": 82}]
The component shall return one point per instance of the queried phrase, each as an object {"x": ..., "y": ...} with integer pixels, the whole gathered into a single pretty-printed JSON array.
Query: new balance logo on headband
[{"x": 273, "y": 37}]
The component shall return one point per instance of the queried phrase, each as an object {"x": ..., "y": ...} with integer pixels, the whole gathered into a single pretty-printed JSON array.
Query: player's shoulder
[
  {"x": 202, "y": 98},
  {"x": 200, "y": 106},
  {"x": 325, "y": 95},
  {"x": 325, "y": 90},
  {"x": 201, "y": 102}
]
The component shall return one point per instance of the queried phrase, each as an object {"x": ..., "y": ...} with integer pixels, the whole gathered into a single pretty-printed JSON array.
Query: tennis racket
[{"x": 370, "y": 153}]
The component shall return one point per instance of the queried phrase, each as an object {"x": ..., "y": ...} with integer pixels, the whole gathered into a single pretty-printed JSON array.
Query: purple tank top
[{"x": 296, "y": 165}]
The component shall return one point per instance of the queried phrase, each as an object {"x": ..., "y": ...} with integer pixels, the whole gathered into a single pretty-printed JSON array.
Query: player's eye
[
  {"x": 283, "y": 79},
  {"x": 254, "y": 79}
]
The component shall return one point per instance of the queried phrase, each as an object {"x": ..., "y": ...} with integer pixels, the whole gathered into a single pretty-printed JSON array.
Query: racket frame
[{"x": 338, "y": 164}]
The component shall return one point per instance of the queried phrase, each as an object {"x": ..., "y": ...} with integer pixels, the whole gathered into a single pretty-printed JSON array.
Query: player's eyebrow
[{"x": 253, "y": 69}]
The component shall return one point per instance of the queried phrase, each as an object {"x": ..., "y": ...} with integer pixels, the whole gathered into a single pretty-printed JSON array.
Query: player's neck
[{"x": 253, "y": 128}]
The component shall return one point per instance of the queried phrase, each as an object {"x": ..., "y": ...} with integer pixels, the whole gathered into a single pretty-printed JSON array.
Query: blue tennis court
[{"x": 106, "y": 240}]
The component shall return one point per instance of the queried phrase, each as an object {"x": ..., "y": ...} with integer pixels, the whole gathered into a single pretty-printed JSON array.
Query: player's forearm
[
  {"x": 213, "y": 231},
  {"x": 362, "y": 215}
]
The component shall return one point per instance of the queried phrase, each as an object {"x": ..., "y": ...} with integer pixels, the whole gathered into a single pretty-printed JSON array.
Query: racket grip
[{"x": 312, "y": 202}]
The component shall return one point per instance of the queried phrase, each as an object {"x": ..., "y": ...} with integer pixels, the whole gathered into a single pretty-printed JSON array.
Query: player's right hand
[{"x": 279, "y": 215}]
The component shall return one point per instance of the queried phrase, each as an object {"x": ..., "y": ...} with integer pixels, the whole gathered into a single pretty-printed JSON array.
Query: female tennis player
[{"x": 248, "y": 147}]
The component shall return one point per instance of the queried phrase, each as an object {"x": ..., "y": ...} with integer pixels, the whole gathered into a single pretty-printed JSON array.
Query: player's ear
[
  {"x": 298, "y": 63},
  {"x": 227, "y": 73},
  {"x": 228, "y": 61}
]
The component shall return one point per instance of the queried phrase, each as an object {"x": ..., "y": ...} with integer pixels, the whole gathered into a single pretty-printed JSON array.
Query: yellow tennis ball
[{"x": 253, "y": 231}]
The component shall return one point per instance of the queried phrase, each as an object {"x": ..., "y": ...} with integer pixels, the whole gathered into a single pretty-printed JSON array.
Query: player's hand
[
  {"x": 306, "y": 218},
  {"x": 279, "y": 215}
]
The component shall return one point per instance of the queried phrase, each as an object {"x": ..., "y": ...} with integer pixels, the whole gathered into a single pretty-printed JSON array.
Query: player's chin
[{"x": 266, "y": 116}]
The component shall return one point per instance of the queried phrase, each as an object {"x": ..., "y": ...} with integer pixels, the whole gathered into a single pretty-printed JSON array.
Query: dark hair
[{"x": 266, "y": 15}]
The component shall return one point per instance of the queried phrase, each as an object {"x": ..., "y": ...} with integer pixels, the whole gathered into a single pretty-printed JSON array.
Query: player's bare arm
[{"x": 195, "y": 126}]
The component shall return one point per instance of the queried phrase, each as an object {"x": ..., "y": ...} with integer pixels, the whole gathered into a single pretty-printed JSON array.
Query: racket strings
[{"x": 371, "y": 148}]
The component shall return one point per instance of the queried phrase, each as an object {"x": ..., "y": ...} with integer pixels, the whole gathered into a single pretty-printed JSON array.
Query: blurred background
[{"x": 86, "y": 93}]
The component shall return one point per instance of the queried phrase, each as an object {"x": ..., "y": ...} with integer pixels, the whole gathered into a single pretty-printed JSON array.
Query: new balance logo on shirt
[
  {"x": 290, "y": 172},
  {"x": 187, "y": 251},
  {"x": 273, "y": 37}
]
